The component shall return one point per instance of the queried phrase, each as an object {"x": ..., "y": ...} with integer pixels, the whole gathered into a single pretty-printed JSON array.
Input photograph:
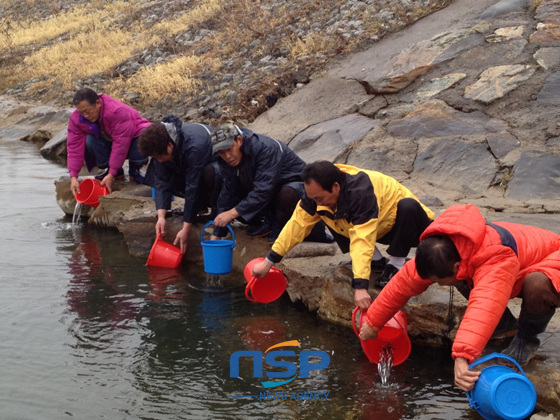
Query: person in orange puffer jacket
[{"x": 497, "y": 261}]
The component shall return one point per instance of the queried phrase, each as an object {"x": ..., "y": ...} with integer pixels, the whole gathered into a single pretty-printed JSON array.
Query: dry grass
[
  {"x": 172, "y": 79},
  {"x": 83, "y": 55},
  {"x": 316, "y": 43},
  {"x": 535, "y": 4},
  {"x": 204, "y": 11},
  {"x": 81, "y": 19},
  {"x": 103, "y": 34}
]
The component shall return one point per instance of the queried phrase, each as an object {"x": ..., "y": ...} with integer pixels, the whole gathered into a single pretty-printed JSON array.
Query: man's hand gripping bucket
[
  {"x": 217, "y": 253},
  {"x": 501, "y": 392},
  {"x": 164, "y": 254},
  {"x": 90, "y": 191},
  {"x": 393, "y": 334},
  {"x": 264, "y": 290}
]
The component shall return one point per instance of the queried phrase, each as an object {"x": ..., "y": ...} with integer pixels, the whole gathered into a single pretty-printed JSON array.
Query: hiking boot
[
  {"x": 259, "y": 230},
  {"x": 104, "y": 172},
  {"x": 376, "y": 265},
  {"x": 379, "y": 265},
  {"x": 522, "y": 350},
  {"x": 525, "y": 343},
  {"x": 388, "y": 272}
]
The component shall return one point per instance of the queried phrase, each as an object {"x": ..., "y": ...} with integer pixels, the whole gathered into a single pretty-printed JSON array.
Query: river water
[{"x": 88, "y": 332}]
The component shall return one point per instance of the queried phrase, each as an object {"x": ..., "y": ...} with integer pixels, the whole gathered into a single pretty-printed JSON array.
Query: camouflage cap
[{"x": 223, "y": 135}]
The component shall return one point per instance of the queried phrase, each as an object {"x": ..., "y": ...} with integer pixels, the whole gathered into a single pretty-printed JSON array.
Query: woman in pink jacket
[
  {"x": 497, "y": 261},
  {"x": 103, "y": 132}
]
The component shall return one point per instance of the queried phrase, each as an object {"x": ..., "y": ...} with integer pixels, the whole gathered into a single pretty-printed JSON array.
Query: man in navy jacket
[
  {"x": 262, "y": 182},
  {"x": 181, "y": 165}
]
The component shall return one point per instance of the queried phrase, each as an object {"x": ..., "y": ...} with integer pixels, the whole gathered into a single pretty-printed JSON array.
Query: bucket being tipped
[
  {"x": 217, "y": 253},
  {"x": 90, "y": 191},
  {"x": 164, "y": 254},
  {"x": 264, "y": 290},
  {"x": 501, "y": 392},
  {"x": 393, "y": 335}
]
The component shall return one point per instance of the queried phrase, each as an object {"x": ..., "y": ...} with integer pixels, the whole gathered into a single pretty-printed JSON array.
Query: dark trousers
[
  {"x": 410, "y": 222},
  {"x": 100, "y": 149}
]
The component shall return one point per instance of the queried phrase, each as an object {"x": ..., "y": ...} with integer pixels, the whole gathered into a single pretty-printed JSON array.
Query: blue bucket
[
  {"x": 218, "y": 253},
  {"x": 154, "y": 194},
  {"x": 501, "y": 393}
]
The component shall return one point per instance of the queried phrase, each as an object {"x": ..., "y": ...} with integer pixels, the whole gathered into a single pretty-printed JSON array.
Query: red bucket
[
  {"x": 164, "y": 254},
  {"x": 264, "y": 290},
  {"x": 90, "y": 191},
  {"x": 393, "y": 334}
]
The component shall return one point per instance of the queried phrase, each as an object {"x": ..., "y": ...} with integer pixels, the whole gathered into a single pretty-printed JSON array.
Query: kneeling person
[
  {"x": 360, "y": 208},
  {"x": 181, "y": 165}
]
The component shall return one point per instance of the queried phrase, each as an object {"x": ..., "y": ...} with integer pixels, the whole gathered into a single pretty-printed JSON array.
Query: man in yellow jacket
[{"x": 360, "y": 208}]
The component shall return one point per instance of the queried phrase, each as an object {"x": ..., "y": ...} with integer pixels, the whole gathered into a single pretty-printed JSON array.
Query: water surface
[{"x": 88, "y": 332}]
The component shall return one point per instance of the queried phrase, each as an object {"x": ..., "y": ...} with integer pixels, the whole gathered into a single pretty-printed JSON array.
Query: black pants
[{"x": 410, "y": 222}]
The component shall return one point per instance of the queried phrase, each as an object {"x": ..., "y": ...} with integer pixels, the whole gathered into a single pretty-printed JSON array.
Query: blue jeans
[{"x": 100, "y": 149}]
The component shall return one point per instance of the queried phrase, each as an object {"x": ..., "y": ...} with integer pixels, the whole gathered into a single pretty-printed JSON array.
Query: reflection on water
[{"x": 90, "y": 332}]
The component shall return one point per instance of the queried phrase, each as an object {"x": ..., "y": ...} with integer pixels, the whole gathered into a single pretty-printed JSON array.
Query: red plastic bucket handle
[
  {"x": 354, "y": 314},
  {"x": 248, "y": 289}
]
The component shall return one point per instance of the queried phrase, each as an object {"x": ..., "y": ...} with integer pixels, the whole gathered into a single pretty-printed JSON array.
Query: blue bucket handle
[
  {"x": 211, "y": 222},
  {"x": 486, "y": 359}
]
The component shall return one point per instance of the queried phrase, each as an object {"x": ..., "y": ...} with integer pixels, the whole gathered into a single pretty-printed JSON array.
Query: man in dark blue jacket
[
  {"x": 262, "y": 183},
  {"x": 181, "y": 165}
]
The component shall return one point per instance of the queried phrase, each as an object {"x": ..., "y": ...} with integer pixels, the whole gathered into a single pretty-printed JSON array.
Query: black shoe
[
  {"x": 134, "y": 173},
  {"x": 388, "y": 272},
  {"x": 522, "y": 350},
  {"x": 379, "y": 265},
  {"x": 103, "y": 174},
  {"x": 259, "y": 230},
  {"x": 376, "y": 265}
]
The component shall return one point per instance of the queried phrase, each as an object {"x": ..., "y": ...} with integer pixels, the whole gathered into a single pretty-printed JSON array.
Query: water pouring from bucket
[
  {"x": 264, "y": 290},
  {"x": 90, "y": 191},
  {"x": 393, "y": 336},
  {"x": 217, "y": 253},
  {"x": 501, "y": 392}
]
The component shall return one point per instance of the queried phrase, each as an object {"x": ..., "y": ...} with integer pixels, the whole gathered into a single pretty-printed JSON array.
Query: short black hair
[
  {"x": 154, "y": 140},
  {"x": 435, "y": 256},
  {"x": 324, "y": 173},
  {"x": 85, "y": 94}
]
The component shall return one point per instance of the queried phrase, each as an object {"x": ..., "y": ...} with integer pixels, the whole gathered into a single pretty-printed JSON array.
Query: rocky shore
[{"x": 462, "y": 106}]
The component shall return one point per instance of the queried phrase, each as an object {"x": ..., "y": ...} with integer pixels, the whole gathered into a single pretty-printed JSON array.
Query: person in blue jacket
[
  {"x": 262, "y": 183},
  {"x": 181, "y": 165}
]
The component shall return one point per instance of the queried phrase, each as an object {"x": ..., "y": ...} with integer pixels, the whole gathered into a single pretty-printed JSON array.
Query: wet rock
[
  {"x": 456, "y": 165},
  {"x": 550, "y": 92},
  {"x": 435, "y": 86},
  {"x": 496, "y": 82},
  {"x": 55, "y": 148},
  {"x": 548, "y": 28},
  {"x": 385, "y": 154},
  {"x": 505, "y": 34},
  {"x": 502, "y": 143},
  {"x": 435, "y": 119},
  {"x": 548, "y": 58},
  {"x": 372, "y": 106},
  {"x": 502, "y": 7},
  {"x": 416, "y": 60},
  {"x": 330, "y": 139},
  {"x": 310, "y": 105},
  {"x": 535, "y": 175}
]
